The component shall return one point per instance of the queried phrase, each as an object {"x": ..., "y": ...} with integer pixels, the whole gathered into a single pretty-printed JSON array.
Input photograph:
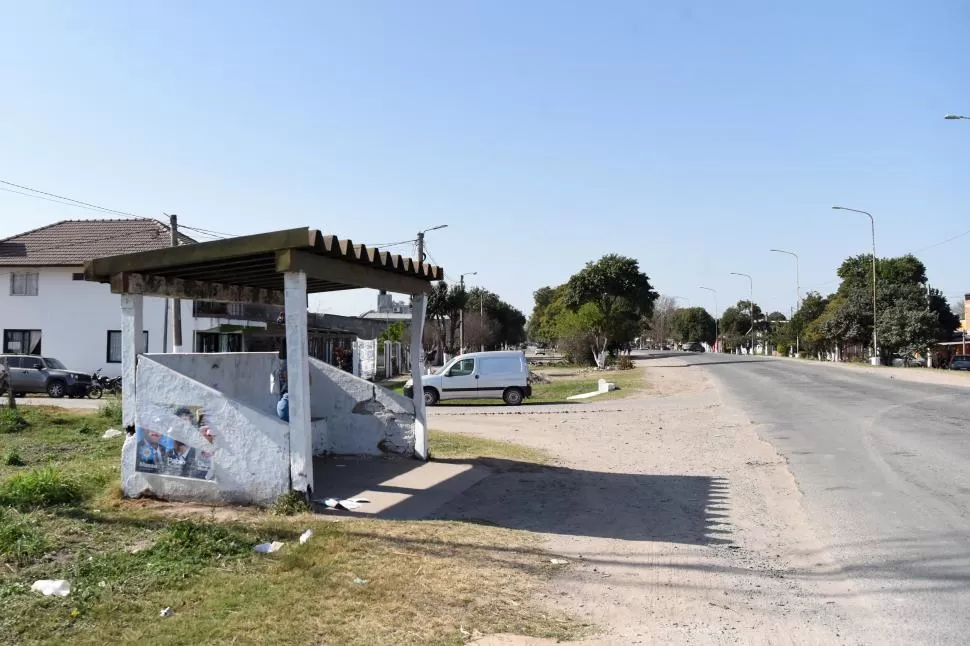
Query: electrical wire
[
  {"x": 933, "y": 246},
  {"x": 75, "y": 202},
  {"x": 388, "y": 245}
]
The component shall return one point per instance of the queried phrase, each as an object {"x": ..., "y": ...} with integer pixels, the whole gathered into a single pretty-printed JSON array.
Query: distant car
[
  {"x": 34, "y": 374},
  {"x": 908, "y": 362},
  {"x": 960, "y": 362},
  {"x": 692, "y": 347}
]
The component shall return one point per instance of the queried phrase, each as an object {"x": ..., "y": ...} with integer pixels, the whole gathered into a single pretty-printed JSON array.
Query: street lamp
[
  {"x": 953, "y": 117},
  {"x": 750, "y": 302},
  {"x": 421, "y": 240},
  {"x": 461, "y": 314},
  {"x": 716, "y": 316},
  {"x": 798, "y": 288},
  {"x": 872, "y": 222}
]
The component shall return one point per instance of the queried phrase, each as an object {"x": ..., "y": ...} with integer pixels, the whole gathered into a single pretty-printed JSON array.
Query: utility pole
[
  {"x": 798, "y": 289},
  {"x": 461, "y": 314},
  {"x": 176, "y": 303}
]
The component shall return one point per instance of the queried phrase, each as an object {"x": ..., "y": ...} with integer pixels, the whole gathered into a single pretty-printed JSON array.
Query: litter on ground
[
  {"x": 52, "y": 587},
  {"x": 165, "y": 612},
  {"x": 305, "y": 536},
  {"x": 348, "y": 504},
  {"x": 110, "y": 433},
  {"x": 266, "y": 548}
]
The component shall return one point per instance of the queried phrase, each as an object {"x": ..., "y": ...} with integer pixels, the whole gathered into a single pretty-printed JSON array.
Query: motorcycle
[{"x": 96, "y": 389}]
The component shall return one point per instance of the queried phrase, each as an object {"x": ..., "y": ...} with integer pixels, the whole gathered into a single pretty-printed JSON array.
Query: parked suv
[
  {"x": 33, "y": 374},
  {"x": 478, "y": 375}
]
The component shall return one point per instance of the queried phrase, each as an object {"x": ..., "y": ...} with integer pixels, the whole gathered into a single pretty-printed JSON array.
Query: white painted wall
[
  {"x": 352, "y": 416},
  {"x": 75, "y": 316},
  {"x": 251, "y": 463},
  {"x": 237, "y": 375}
]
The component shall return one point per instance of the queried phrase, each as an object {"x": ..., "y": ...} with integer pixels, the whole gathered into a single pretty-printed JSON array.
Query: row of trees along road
[
  {"x": 490, "y": 322},
  {"x": 911, "y": 315},
  {"x": 600, "y": 309}
]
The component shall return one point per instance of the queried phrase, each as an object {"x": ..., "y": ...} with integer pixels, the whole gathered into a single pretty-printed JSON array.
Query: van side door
[{"x": 461, "y": 380}]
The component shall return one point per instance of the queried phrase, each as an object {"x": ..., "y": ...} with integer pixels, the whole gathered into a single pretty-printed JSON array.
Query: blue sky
[{"x": 691, "y": 135}]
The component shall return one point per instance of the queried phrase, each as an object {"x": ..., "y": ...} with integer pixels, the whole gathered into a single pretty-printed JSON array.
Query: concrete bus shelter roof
[{"x": 250, "y": 269}]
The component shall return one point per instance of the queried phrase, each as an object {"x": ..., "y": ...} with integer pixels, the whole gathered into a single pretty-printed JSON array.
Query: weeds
[
  {"x": 13, "y": 459},
  {"x": 21, "y": 541},
  {"x": 11, "y": 421},
  {"x": 290, "y": 504},
  {"x": 45, "y": 487},
  {"x": 112, "y": 412}
]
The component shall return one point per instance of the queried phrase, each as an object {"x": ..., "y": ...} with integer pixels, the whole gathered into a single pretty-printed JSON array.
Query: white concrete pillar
[
  {"x": 418, "y": 306},
  {"x": 132, "y": 344},
  {"x": 298, "y": 382}
]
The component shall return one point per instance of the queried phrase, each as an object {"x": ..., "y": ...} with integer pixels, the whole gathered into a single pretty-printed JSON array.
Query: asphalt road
[{"x": 884, "y": 468}]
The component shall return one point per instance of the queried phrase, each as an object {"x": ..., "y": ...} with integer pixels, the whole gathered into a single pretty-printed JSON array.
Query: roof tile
[{"x": 72, "y": 242}]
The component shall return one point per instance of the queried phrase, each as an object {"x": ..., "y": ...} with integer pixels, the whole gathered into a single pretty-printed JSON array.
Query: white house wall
[
  {"x": 250, "y": 446},
  {"x": 74, "y": 317}
]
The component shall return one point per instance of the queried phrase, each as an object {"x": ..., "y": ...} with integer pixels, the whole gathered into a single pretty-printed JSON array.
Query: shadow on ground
[{"x": 548, "y": 499}]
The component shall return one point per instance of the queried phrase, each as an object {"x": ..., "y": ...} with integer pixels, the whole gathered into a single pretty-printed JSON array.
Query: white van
[{"x": 478, "y": 375}]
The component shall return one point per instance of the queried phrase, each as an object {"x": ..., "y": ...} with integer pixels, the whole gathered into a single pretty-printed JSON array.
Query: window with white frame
[
  {"x": 114, "y": 346},
  {"x": 23, "y": 283}
]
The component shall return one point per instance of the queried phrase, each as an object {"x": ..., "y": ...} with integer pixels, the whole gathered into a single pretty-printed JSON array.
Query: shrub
[
  {"x": 112, "y": 412},
  {"x": 782, "y": 349},
  {"x": 11, "y": 421},
  {"x": 20, "y": 539},
  {"x": 45, "y": 487},
  {"x": 199, "y": 543},
  {"x": 290, "y": 503},
  {"x": 13, "y": 459},
  {"x": 624, "y": 362}
]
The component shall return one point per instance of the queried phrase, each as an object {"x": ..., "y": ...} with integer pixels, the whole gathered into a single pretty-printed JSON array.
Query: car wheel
[
  {"x": 513, "y": 396},
  {"x": 431, "y": 397},
  {"x": 56, "y": 389}
]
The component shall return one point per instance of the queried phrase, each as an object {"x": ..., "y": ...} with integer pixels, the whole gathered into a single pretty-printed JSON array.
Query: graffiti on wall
[{"x": 186, "y": 454}]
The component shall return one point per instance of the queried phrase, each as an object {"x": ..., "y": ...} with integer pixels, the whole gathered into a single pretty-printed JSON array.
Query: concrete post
[
  {"x": 298, "y": 382},
  {"x": 417, "y": 372},
  {"x": 132, "y": 344}
]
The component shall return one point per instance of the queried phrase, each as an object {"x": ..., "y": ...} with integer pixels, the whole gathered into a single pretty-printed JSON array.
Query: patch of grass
[
  {"x": 445, "y": 445},
  {"x": 290, "y": 504},
  {"x": 13, "y": 459},
  {"x": 11, "y": 421},
  {"x": 21, "y": 540},
  {"x": 111, "y": 411},
  {"x": 45, "y": 487}
]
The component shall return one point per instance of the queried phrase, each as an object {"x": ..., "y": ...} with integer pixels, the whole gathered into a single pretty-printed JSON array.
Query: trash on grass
[
  {"x": 52, "y": 587},
  {"x": 305, "y": 536},
  {"x": 165, "y": 612},
  {"x": 558, "y": 561},
  {"x": 348, "y": 504},
  {"x": 110, "y": 433},
  {"x": 266, "y": 548},
  {"x": 360, "y": 581}
]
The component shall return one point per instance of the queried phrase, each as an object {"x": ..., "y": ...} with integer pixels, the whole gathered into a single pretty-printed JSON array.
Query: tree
[
  {"x": 659, "y": 323},
  {"x": 736, "y": 324},
  {"x": 510, "y": 321},
  {"x": 395, "y": 332},
  {"x": 480, "y": 331},
  {"x": 609, "y": 298},
  {"x": 694, "y": 324}
]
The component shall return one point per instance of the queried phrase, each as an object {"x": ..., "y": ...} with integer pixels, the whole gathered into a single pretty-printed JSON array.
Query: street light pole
[
  {"x": 421, "y": 240},
  {"x": 717, "y": 315},
  {"x": 798, "y": 288},
  {"x": 461, "y": 314},
  {"x": 750, "y": 302},
  {"x": 872, "y": 222}
]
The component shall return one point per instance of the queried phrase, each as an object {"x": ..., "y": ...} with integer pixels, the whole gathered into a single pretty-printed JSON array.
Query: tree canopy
[{"x": 694, "y": 324}]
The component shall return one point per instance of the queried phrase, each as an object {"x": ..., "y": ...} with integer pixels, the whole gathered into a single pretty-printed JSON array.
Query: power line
[
  {"x": 214, "y": 234},
  {"x": 70, "y": 199},
  {"x": 932, "y": 246},
  {"x": 388, "y": 245}
]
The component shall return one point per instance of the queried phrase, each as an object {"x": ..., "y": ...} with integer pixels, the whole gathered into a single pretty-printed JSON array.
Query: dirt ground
[{"x": 678, "y": 525}]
